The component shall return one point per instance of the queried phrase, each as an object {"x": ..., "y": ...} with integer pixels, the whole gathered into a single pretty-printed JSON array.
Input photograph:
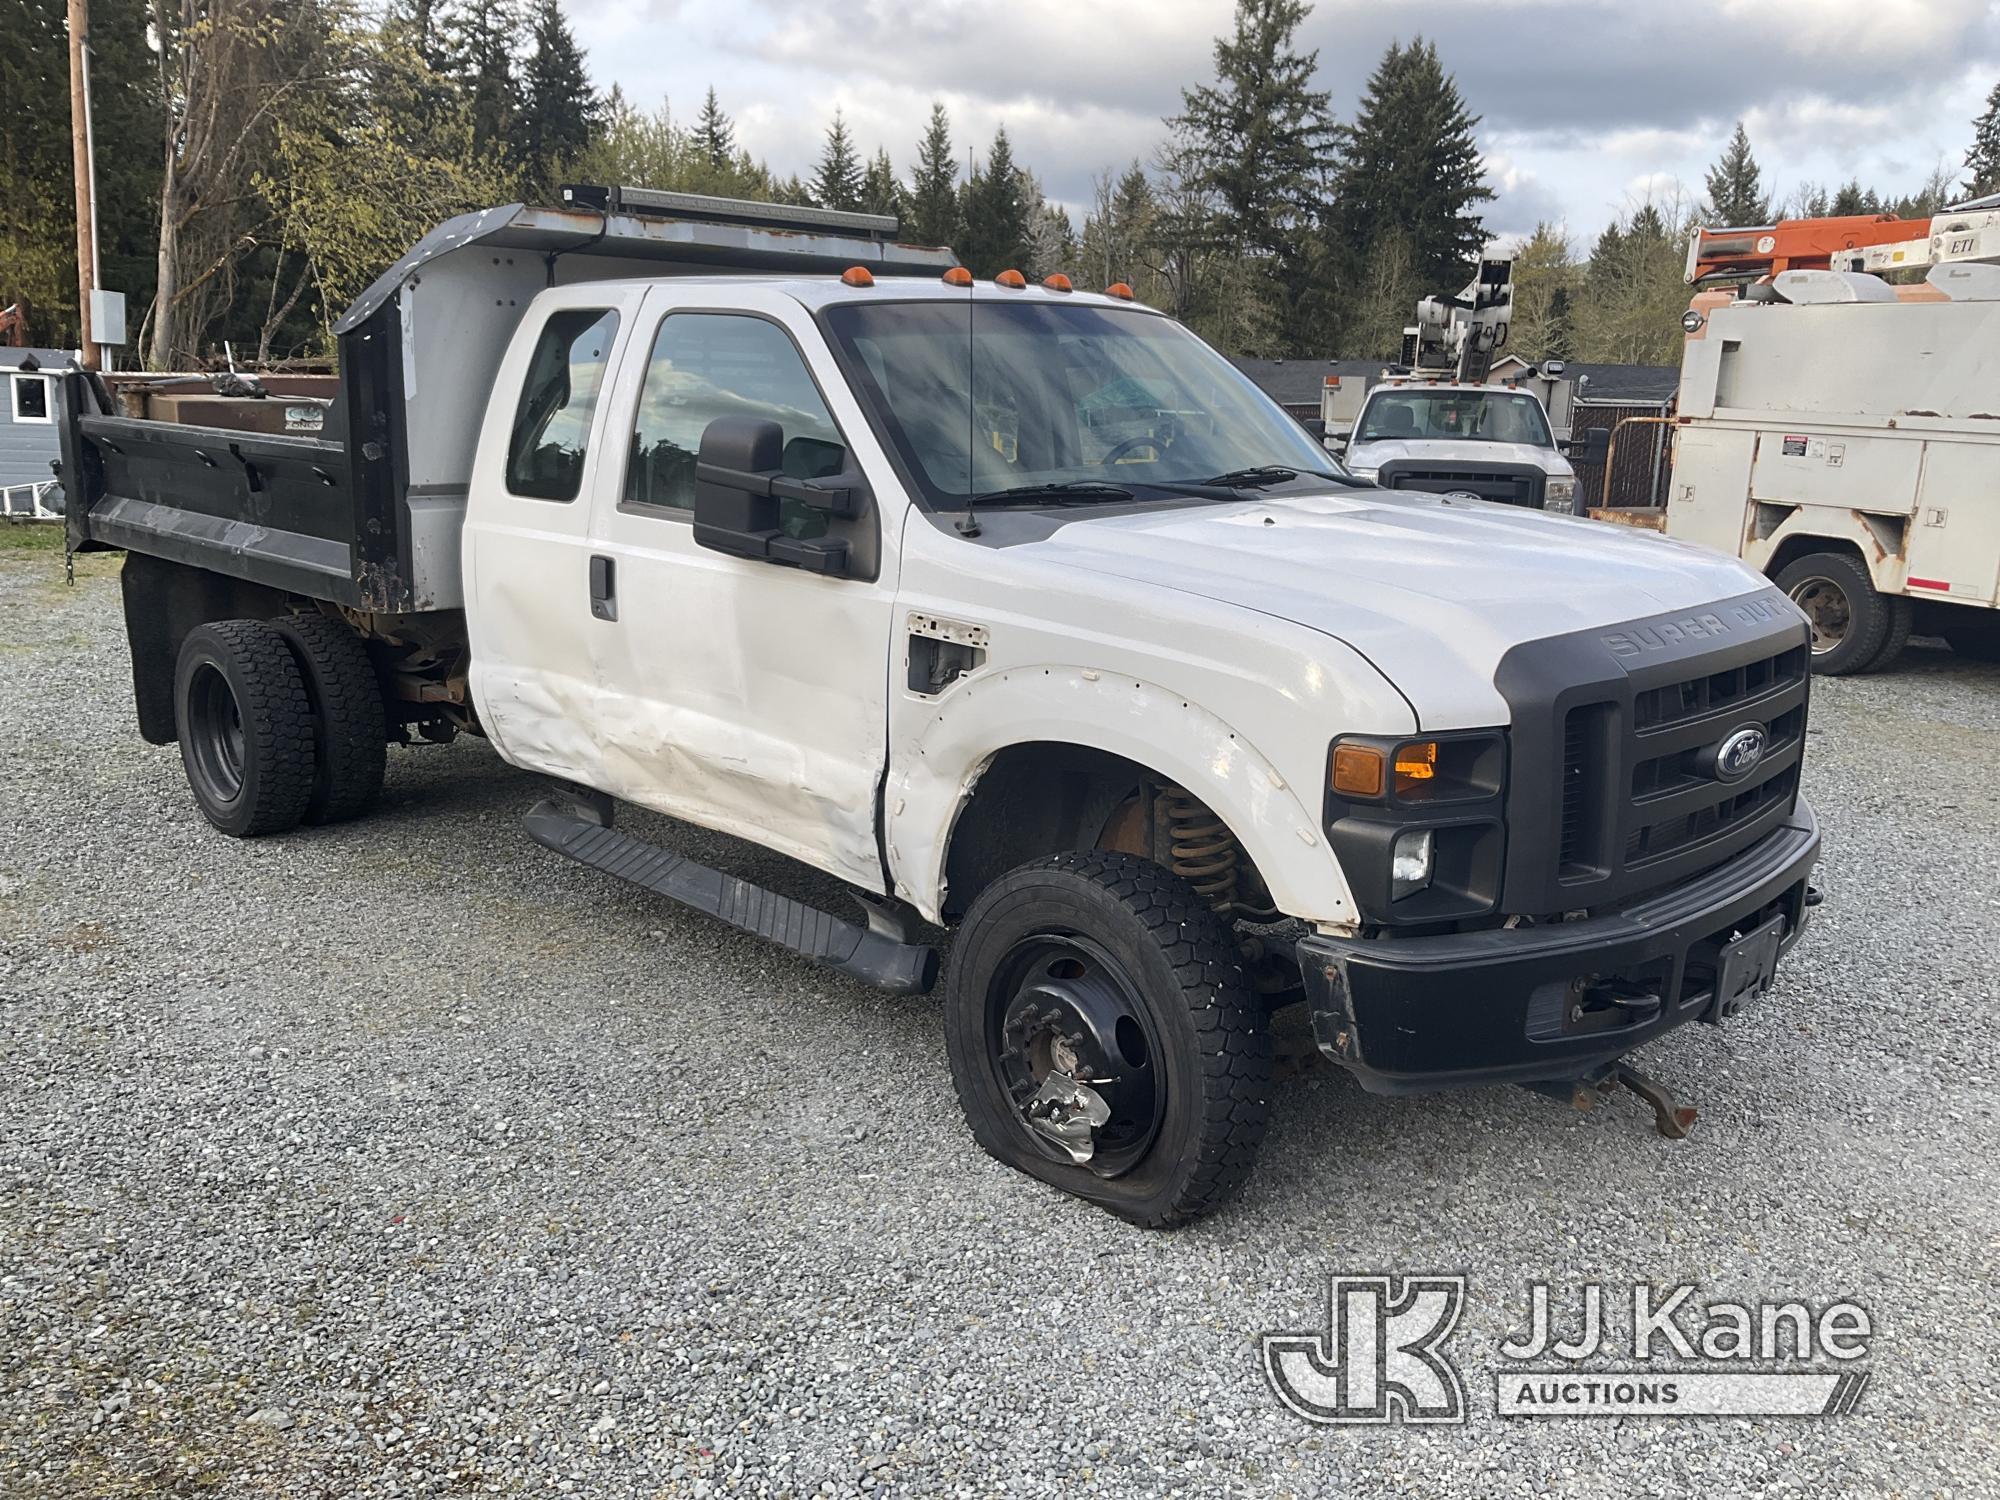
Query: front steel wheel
[{"x": 1104, "y": 1037}]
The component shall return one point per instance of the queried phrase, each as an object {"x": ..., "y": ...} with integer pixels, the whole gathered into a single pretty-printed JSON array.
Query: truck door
[
  {"x": 737, "y": 693},
  {"x": 525, "y": 550}
]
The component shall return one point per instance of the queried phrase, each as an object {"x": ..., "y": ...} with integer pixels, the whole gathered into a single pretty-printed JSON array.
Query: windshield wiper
[
  {"x": 1260, "y": 475},
  {"x": 1072, "y": 489}
]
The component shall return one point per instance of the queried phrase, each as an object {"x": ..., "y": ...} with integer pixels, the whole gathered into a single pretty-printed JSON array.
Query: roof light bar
[{"x": 658, "y": 203}]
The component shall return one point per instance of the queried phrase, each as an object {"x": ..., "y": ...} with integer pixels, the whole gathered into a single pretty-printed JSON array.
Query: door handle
[{"x": 604, "y": 587}]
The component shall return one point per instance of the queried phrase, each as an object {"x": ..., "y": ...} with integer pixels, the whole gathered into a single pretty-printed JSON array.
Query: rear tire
[
  {"x": 245, "y": 727},
  {"x": 1850, "y": 620},
  {"x": 1156, "y": 1012},
  {"x": 350, "y": 739},
  {"x": 1901, "y": 615}
]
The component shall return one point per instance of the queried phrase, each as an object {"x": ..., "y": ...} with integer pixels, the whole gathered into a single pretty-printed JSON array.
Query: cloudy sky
[{"x": 1587, "y": 105}]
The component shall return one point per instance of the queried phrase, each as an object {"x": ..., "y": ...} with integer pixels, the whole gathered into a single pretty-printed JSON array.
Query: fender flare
[{"x": 933, "y": 776}]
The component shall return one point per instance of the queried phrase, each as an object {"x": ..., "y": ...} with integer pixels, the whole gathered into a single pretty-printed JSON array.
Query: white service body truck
[
  {"x": 1016, "y": 609},
  {"x": 1843, "y": 436}
]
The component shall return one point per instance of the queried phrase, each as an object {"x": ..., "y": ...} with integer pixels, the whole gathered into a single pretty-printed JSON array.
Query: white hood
[
  {"x": 1469, "y": 451},
  {"x": 1432, "y": 591}
]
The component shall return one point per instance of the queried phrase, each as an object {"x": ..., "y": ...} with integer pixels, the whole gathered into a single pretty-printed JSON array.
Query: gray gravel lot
[{"x": 404, "y": 1158}]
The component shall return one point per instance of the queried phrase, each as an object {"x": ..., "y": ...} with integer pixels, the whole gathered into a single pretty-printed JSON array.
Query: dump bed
[{"x": 367, "y": 513}]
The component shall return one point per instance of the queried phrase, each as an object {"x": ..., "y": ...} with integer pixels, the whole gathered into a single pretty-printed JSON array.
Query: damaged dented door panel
[
  {"x": 736, "y": 692},
  {"x": 526, "y": 542}
]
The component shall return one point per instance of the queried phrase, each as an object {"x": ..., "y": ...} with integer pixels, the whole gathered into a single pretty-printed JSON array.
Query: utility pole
[{"x": 86, "y": 193}]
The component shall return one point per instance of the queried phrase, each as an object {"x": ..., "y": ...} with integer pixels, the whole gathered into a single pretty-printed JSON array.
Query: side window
[
  {"x": 552, "y": 423},
  {"x": 709, "y": 365},
  {"x": 31, "y": 398}
]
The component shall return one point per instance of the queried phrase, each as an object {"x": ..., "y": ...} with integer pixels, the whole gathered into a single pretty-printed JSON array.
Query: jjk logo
[{"x": 1380, "y": 1361}]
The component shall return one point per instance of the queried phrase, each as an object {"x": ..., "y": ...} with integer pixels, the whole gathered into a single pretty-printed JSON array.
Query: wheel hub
[
  {"x": 1827, "y": 609},
  {"x": 1074, "y": 1048}
]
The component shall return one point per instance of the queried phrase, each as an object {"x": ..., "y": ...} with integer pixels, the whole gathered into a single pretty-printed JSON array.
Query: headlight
[
  {"x": 1410, "y": 865},
  {"x": 1560, "y": 495},
  {"x": 1417, "y": 824},
  {"x": 1366, "y": 476}
]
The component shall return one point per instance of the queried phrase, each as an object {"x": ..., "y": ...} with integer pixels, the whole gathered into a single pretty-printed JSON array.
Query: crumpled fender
[{"x": 933, "y": 776}]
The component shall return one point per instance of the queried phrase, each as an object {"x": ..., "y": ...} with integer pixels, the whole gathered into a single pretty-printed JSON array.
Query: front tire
[
  {"x": 1850, "y": 620},
  {"x": 245, "y": 727},
  {"x": 1106, "y": 969}
]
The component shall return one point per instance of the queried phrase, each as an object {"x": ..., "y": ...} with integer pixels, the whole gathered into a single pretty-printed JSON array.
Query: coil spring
[{"x": 1201, "y": 849}]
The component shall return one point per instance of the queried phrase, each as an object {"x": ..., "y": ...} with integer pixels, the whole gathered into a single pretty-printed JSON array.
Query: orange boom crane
[{"x": 1859, "y": 242}]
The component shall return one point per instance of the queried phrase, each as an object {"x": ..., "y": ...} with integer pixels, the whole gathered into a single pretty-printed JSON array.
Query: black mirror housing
[
  {"x": 740, "y": 485},
  {"x": 1595, "y": 446}
]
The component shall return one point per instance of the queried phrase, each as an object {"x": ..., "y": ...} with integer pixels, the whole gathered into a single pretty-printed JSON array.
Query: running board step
[{"x": 870, "y": 956}]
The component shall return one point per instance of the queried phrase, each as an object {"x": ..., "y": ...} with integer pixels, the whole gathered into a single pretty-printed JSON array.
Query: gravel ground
[{"x": 403, "y": 1158}]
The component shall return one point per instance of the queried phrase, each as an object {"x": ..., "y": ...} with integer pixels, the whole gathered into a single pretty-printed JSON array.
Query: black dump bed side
[{"x": 278, "y": 510}]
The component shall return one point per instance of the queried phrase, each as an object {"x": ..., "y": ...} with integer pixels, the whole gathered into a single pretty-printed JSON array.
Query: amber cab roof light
[
  {"x": 958, "y": 276},
  {"x": 857, "y": 276},
  {"x": 1119, "y": 290},
  {"x": 1014, "y": 281},
  {"x": 1057, "y": 282}
]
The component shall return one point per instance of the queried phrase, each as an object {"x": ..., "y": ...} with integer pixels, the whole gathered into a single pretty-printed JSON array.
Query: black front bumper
[{"x": 1550, "y": 1002}]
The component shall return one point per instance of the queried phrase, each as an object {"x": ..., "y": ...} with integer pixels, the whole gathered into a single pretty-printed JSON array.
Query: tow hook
[
  {"x": 1672, "y": 1120},
  {"x": 1069, "y": 1113}
]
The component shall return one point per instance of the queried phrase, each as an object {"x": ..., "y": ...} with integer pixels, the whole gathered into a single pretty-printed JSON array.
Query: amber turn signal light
[
  {"x": 1415, "y": 762},
  {"x": 857, "y": 276},
  {"x": 1358, "y": 770},
  {"x": 958, "y": 276}
]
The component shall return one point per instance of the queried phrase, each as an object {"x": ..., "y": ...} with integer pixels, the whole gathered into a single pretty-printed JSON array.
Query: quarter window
[
  {"x": 551, "y": 431},
  {"x": 709, "y": 365}
]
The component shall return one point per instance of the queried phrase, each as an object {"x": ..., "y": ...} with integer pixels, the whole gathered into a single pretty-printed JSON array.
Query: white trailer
[{"x": 1843, "y": 437}]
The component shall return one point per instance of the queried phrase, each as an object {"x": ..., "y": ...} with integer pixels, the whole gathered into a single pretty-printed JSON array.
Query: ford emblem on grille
[{"x": 1737, "y": 756}]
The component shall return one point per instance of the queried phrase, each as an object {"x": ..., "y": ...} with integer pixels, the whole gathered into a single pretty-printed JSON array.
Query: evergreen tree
[
  {"x": 1853, "y": 199},
  {"x": 881, "y": 193},
  {"x": 1545, "y": 278},
  {"x": 1983, "y": 159},
  {"x": 1261, "y": 133},
  {"x": 837, "y": 180},
  {"x": 714, "y": 134},
  {"x": 1411, "y": 166},
  {"x": 997, "y": 223},
  {"x": 479, "y": 38},
  {"x": 1735, "y": 188},
  {"x": 933, "y": 217},
  {"x": 1119, "y": 228},
  {"x": 559, "y": 109}
]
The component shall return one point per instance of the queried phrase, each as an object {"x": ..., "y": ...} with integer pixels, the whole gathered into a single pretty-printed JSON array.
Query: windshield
[
  {"x": 989, "y": 396},
  {"x": 1481, "y": 416}
]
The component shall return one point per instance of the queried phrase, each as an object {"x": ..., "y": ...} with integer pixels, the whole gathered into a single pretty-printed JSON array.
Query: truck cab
[
  {"x": 1493, "y": 442},
  {"x": 1020, "y": 612}
]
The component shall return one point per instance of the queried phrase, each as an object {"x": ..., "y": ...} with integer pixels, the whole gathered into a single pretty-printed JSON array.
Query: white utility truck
[
  {"x": 1435, "y": 424},
  {"x": 1843, "y": 435},
  {"x": 1018, "y": 610}
]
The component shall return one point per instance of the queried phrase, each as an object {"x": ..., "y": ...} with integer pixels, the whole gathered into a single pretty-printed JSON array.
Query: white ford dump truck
[{"x": 1018, "y": 610}]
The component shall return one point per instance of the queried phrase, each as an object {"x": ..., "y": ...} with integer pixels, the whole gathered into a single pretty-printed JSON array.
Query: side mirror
[
  {"x": 1315, "y": 426},
  {"x": 1595, "y": 446},
  {"x": 740, "y": 484}
]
